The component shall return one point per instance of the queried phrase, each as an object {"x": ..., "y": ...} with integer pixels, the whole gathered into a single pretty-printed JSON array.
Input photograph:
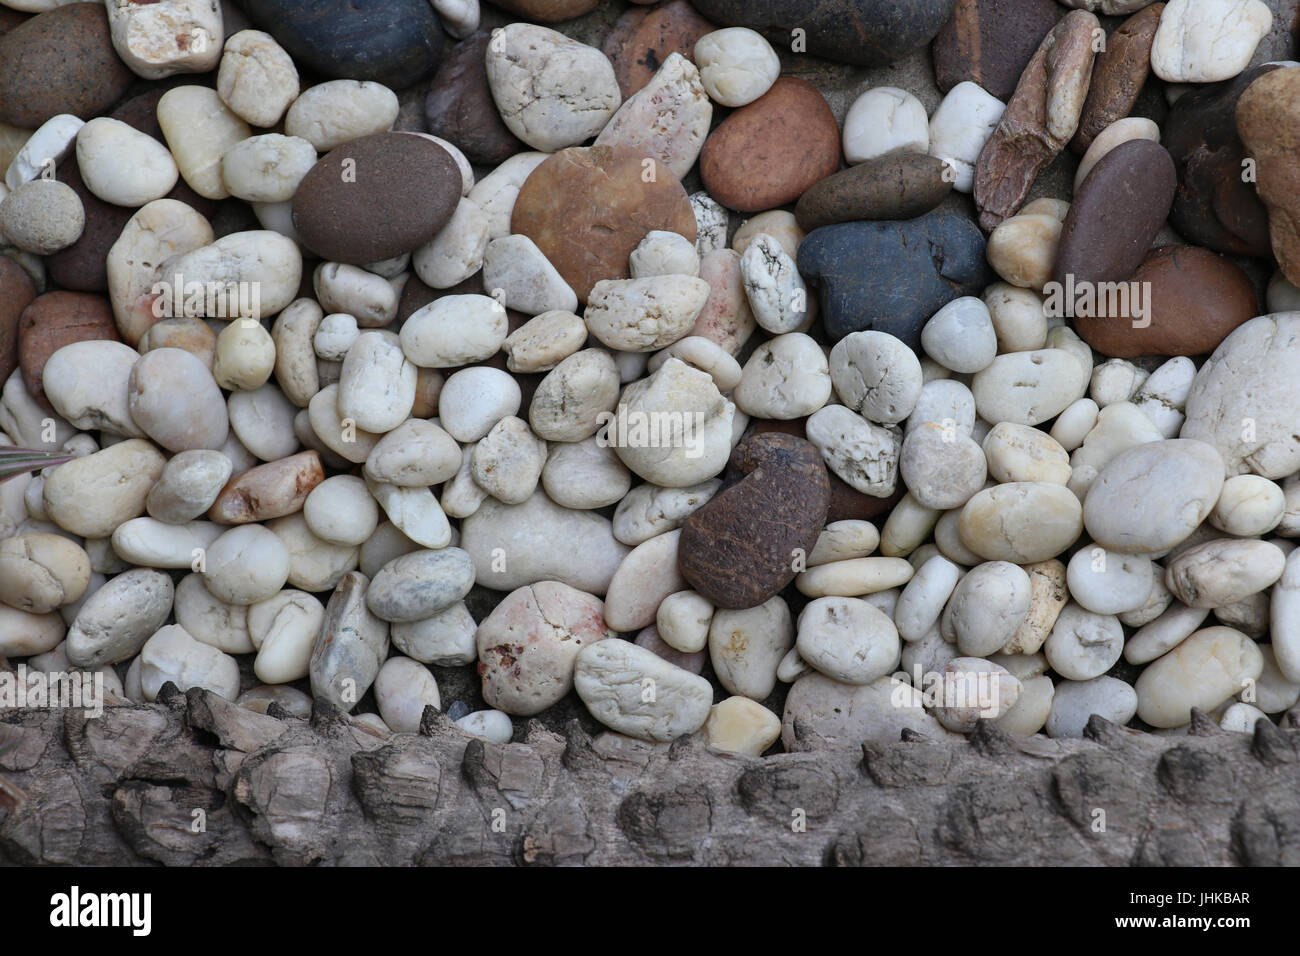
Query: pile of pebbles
[{"x": 408, "y": 360}]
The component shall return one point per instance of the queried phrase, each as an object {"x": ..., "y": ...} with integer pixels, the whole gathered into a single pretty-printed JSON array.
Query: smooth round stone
[
  {"x": 924, "y": 597},
  {"x": 42, "y": 216},
  {"x": 587, "y": 209},
  {"x": 376, "y": 384},
  {"x": 1223, "y": 572},
  {"x": 493, "y": 725},
  {"x": 1274, "y": 693},
  {"x": 987, "y": 608},
  {"x": 787, "y": 377},
  {"x": 445, "y": 638},
  {"x": 860, "y": 454},
  {"x": 649, "y": 509},
  {"x": 1075, "y": 702},
  {"x": 454, "y": 330},
  {"x": 1107, "y": 582},
  {"x": 1115, "y": 381},
  {"x": 1207, "y": 40},
  {"x": 257, "y": 79},
  {"x": 416, "y": 453},
  {"x": 459, "y": 107},
  {"x": 609, "y": 677},
  {"x": 376, "y": 197},
  {"x": 882, "y": 276},
  {"x": 123, "y": 166},
  {"x": 272, "y": 490},
  {"x": 1119, "y": 74},
  {"x": 745, "y": 164},
  {"x": 1248, "y": 506},
  {"x": 246, "y": 565},
  {"x": 1163, "y": 633},
  {"x": 727, "y": 319},
  {"x": 1023, "y": 248},
  {"x": 42, "y": 572},
  {"x": 961, "y": 126},
  {"x": 854, "y": 577},
  {"x": 1203, "y": 671},
  {"x": 507, "y": 462},
  {"x": 847, "y": 639},
  {"x": 897, "y": 186},
  {"x": 705, "y": 355},
  {"x": 942, "y": 468},
  {"x": 1223, "y": 406},
  {"x": 1022, "y": 522},
  {"x": 882, "y": 122},
  {"x": 1083, "y": 645},
  {"x": 551, "y": 90},
  {"x": 22, "y": 633},
  {"x": 848, "y": 32},
  {"x": 1031, "y": 709},
  {"x": 175, "y": 400},
  {"x": 188, "y": 485},
  {"x": 403, "y": 689},
  {"x": 474, "y": 399},
  {"x": 398, "y": 44},
  {"x": 60, "y": 61},
  {"x": 340, "y": 510},
  {"x": 1116, "y": 214},
  {"x": 585, "y": 475},
  {"x": 543, "y": 341},
  {"x": 16, "y": 292},
  {"x": 746, "y": 647},
  {"x": 199, "y": 129},
  {"x": 1020, "y": 453},
  {"x": 284, "y": 629},
  {"x": 266, "y": 168},
  {"x": 154, "y": 544},
  {"x": 737, "y": 65},
  {"x": 1027, "y": 388},
  {"x": 244, "y": 356},
  {"x": 1151, "y": 497},
  {"x": 841, "y": 540},
  {"x": 172, "y": 654},
  {"x": 1113, "y": 136},
  {"x": 116, "y": 620},
  {"x": 91, "y": 496},
  {"x": 86, "y": 382},
  {"x": 338, "y": 111},
  {"x": 741, "y": 726},
  {"x": 960, "y": 336},
  {"x": 971, "y": 688},
  {"x": 262, "y": 420},
  {"x": 314, "y": 565},
  {"x": 683, "y": 621}
]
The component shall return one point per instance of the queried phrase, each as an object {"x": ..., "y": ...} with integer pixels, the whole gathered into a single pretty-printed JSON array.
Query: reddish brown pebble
[
  {"x": 268, "y": 491},
  {"x": 900, "y": 186},
  {"x": 83, "y": 265},
  {"x": 1118, "y": 75},
  {"x": 587, "y": 208},
  {"x": 1195, "y": 299},
  {"x": 54, "y": 320},
  {"x": 16, "y": 292},
  {"x": 750, "y": 163},
  {"x": 990, "y": 42},
  {"x": 644, "y": 37},
  {"x": 743, "y": 546},
  {"x": 460, "y": 108}
]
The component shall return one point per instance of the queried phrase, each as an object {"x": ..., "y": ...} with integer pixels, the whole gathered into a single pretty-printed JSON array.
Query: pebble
[
  {"x": 683, "y": 621},
  {"x": 210, "y": 620},
  {"x": 544, "y": 341},
  {"x": 898, "y": 186},
  {"x": 787, "y": 377},
  {"x": 244, "y": 356},
  {"x": 705, "y": 355},
  {"x": 1208, "y": 40},
  {"x": 644, "y": 37},
  {"x": 1203, "y": 671},
  {"x": 1075, "y": 702},
  {"x": 959, "y": 129},
  {"x": 459, "y": 107},
  {"x": 40, "y": 573},
  {"x": 976, "y": 44},
  {"x": 1274, "y": 693},
  {"x": 588, "y": 208},
  {"x": 1040, "y": 118},
  {"x": 1107, "y": 582},
  {"x": 1047, "y": 381},
  {"x": 171, "y": 654},
  {"x": 399, "y": 192},
  {"x": 417, "y": 453},
  {"x": 524, "y": 279},
  {"x": 1126, "y": 130},
  {"x": 745, "y": 163},
  {"x": 1022, "y": 522},
  {"x": 490, "y": 725},
  {"x": 1023, "y": 248},
  {"x": 245, "y": 565},
  {"x": 960, "y": 336},
  {"x": 188, "y": 485},
  {"x": 398, "y": 45},
  {"x": 667, "y": 119},
  {"x": 507, "y": 462},
  {"x": 885, "y": 121},
  {"x": 86, "y": 383},
  {"x": 987, "y": 608},
  {"x": 648, "y": 510},
  {"x": 474, "y": 399},
  {"x": 737, "y": 65},
  {"x": 403, "y": 689},
  {"x": 551, "y": 90},
  {"x": 42, "y": 216},
  {"x": 859, "y": 452},
  {"x": 854, "y": 577},
  {"x": 256, "y": 79},
  {"x": 971, "y": 688},
  {"x": 445, "y": 638},
  {"x": 847, "y": 639},
  {"x": 642, "y": 315},
  {"x": 1020, "y": 453},
  {"x": 922, "y": 601},
  {"x": 272, "y": 490},
  {"x": 612, "y": 678},
  {"x": 881, "y": 276},
  {"x": 91, "y": 496},
  {"x": 747, "y": 646},
  {"x": 1118, "y": 75},
  {"x": 352, "y": 646},
  {"x": 23, "y": 633},
  {"x": 741, "y": 726},
  {"x": 284, "y": 629},
  {"x": 1248, "y": 506},
  {"x": 941, "y": 468},
  {"x": 844, "y": 539},
  {"x": 265, "y": 168},
  {"x": 154, "y": 544},
  {"x": 338, "y": 111},
  {"x": 539, "y": 541},
  {"x": 340, "y": 510},
  {"x": 828, "y": 713},
  {"x": 1047, "y": 597},
  {"x": 776, "y": 292},
  {"x": 1263, "y": 117},
  {"x": 60, "y": 61},
  {"x": 175, "y": 400},
  {"x": 113, "y": 624},
  {"x": 1224, "y": 571}
]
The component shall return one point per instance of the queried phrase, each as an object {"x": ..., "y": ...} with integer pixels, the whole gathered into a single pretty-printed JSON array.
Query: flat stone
[
  {"x": 990, "y": 42},
  {"x": 900, "y": 186},
  {"x": 1118, "y": 75}
]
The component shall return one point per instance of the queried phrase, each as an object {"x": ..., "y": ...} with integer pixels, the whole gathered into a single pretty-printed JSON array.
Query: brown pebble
[
  {"x": 643, "y": 37},
  {"x": 272, "y": 490},
  {"x": 587, "y": 208},
  {"x": 460, "y": 108},
  {"x": 82, "y": 266},
  {"x": 54, "y": 320},
  {"x": 547, "y": 11},
  {"x": 901, "y": 186},
  {"x": 16, "y": 292},
  {"x": 1118, "y": 75},
  {"x": 742, "y": 547},
  {"x": 990, "y": 42},
  {"x": 1268, "y": 119},
  {"x": 748, "y": 163}
]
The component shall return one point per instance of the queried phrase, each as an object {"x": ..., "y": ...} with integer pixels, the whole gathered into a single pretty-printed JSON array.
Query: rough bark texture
[{"x": 123, "y": 789}]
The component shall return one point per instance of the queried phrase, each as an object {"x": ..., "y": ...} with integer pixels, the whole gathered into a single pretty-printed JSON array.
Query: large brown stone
[
  {"x": 990, "y": 42},
  {"x": 1268, "y": 119},
  {"x": 82, "y": 266},
  {"x": 54, "y": 320},
  {"x": 586, "y": 208},
  {"x": 1118, "y": 75},
  {"x": 768, "y": 153},
  {"x": 643, "y": 37},
  {"x": 376, "y": 197},
  {"x": 1195, "y": 298},
  {"x": 1040, "y": 119},
  {"x": 16, "y": 292},
  {"x": 1116, "y": 213},
  {"x": 61, "y": 61},
  {"x": 901, "y": 186},
  {"x": 741, "y": 548},
  {"x": 460, "y": 108}
]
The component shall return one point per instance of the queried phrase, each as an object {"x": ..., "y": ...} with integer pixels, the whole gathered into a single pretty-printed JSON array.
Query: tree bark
[{"x": 195, "y": 780}]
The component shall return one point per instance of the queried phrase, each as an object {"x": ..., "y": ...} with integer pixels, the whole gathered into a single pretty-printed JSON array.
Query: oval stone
[
  {"x": 899, "y": 186},
  {"x": 376, "y": 197},
  {"x": 54, "y": 320},
  {"x": 747, "y": 163},
  {"x": 644, "y": 37},
  {"x": 460, "y": 108}
]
